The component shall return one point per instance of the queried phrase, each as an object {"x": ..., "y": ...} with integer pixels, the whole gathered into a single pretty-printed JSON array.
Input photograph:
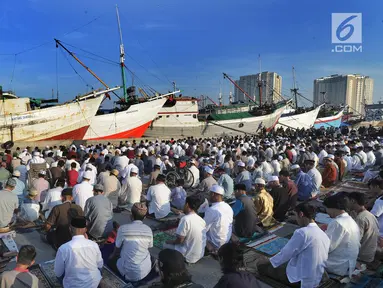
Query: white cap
[
  {"x": 36, "y": 153},
  {"x": 273, "y": 178},
  {"x": 295, "y": 166},
  {"x": 241, "y": 164},
  {"x": 330, "y": 156},
  {"x": 302, "y": 149},
  {"x": 134, "y": 170},
  {"x": 209, "y": 170},
  {"x": 43, "y": 172},
  {"x": 259, "y": 181},
  {"x": 118, "y": 151},
  {"x": 217, "y": 189},
  {"x": 16, "y": 173},
  {"x": 176, "y": 156},
  {"x": 280, "y": 158},
  {"x": 87, "y": 175}
]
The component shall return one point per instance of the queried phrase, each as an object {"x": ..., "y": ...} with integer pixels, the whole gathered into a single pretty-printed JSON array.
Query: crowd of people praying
[{"x": 241, "y": 186}]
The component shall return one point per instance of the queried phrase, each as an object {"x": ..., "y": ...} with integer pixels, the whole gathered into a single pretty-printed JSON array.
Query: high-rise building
[
  {"x": 271, "y": 87},
  {"x": 353, "y": 90}
]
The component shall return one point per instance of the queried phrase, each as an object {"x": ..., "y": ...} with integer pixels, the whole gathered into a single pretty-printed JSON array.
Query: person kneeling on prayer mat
[
  {"x": 131, "y": 258},
  {"x": 246, "y": 219},
  {"x": 329, "y": 174},
  {"x": 219, "y": 220},
  {"x": 79, "y": 261},
  {"x": 58, "y": 222},
  {"x": 158, "y": 197},
  {"x": 301, "y": 263},
  {"x": 173, "y": 272},
  {"x": 20, "y": 276},
  {"x": 368, "y": 226},
  {"x": 99, "y": 214},
  {"x": 264, "y": 203},
  {"x": 230, "y": 257},
  {"x": 344, "y": 235},
  {"x": 191, "y": 232},
  {"x": 30, "y": 208},
  {"x": 280, "y": 196}
]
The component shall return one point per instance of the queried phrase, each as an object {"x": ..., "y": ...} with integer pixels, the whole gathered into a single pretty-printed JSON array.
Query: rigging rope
[{"x": 86, "y": 83}]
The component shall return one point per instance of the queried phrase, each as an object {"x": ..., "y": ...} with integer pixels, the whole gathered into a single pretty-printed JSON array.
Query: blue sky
[{"x": 190, "y": 42}]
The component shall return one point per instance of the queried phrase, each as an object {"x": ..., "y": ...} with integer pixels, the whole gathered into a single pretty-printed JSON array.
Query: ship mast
[
  {"x": 295, "y": 90},
  {"x": 260, "y": 80},
  {"x": 122, "y": 56},
  {"x": 220, "y": 94}
]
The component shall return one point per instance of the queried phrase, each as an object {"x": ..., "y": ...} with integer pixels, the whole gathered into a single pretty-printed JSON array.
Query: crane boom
[
  {"x": 212, "y": 101},
  {"x": 225, "y": 76}
]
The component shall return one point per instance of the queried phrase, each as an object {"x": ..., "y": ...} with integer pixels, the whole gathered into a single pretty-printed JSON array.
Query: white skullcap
[
  {"x": 217, "y": 189},
  {"x": 209, "y": 170},
  {"x": 241, "y": 164},
  {"x": 260, "y": 181},
  {"x": 272, "y": 178},
  {"x": 118, "y": 151},
  {"x": 330, "y": 156},
  {"x": 280, "y": 158},
  {"x": 43, "y": 172},
  {"x": 295, "y": 166},
  {"x": 302, "y": 149},
  {"x": 134, "y": 170},
  {"x": 123, "y": 149},
  {"x": 87, "y": 175},
  {"x": 36, "y": 153}
]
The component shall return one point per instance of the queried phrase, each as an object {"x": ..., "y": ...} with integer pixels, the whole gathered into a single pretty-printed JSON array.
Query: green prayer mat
[{"x": 160, "y": 238}]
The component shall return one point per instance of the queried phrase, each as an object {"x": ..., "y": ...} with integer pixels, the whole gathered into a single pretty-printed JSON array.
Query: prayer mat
[
  {"x": 255, "y": 236},
  {"x": 111, "y": 280},
  {"x": 272, "y": 247},
  {"x": 48, "y": 269},
  {"x": 286, "y": 231},
  {"x": 341, "y": 279},
  {"x": 171, "y": 217},
  {"x": 36, "y": 270},
  {"x": 260, "y": 241},
  {"x": 365, "y": 281},
  {"x": 160, "y": 238}
]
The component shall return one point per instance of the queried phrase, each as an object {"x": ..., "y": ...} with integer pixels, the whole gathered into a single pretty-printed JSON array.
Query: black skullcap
[
  {"x": 171, "y": 262},
  {"x": 240, "y": 187},
  {"x": 78, "y": 222},
  {"x": 67, "y": 192},
  {"x": 161, "y": 178}
]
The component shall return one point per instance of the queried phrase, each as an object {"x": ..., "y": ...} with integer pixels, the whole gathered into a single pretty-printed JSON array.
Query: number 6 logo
[{"x": 342, "y": 26}]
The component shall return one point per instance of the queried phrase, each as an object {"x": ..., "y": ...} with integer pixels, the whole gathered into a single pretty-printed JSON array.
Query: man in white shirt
[
  {"x": 194, "y": 170},
  {"x": 304, "y": 256},
  {"x": 344, "y": 235},
  {"x": 158, "y": 197},
  {"x": 219, "y": 220},
  {"x": 315, "y": 175},
  {"x": 36, "y": 159},
  {"x": 377, "y": 210},
  {"x": 53, "y": 197},
  {"x": 79, "y": 261},
  {"x": 370, "y": 156},
  {"x": 322, "y": 154},
  {"x": 70, "y": 161},
  {"x": 131, "y": 188},
  {"x": 83, "y": 191},
  {"x": 131, "y": 257},
  {"x": 191, "y": 232}
]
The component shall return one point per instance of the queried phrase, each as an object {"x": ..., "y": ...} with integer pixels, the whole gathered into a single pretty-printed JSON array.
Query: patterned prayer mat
[
  {"x": 160, "y": 238},
  {"x": 36, "y": 270},
  {"x": 256, "y": 235},
  {"x": 110, "y": 280},
  {"x": 365, "y": 282},
  {"x": 48, "y": 269},
  {"x": 272, "y": 247}
]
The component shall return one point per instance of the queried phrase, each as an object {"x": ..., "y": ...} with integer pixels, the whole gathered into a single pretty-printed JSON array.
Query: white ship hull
[
  {"x": 299, "y": 121},
  {"x": 178, "y": 120},
  {"x": 131, "y": 123},
  {"x": 61, "y": 122},
  {"x": 251, "y": 125}
]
